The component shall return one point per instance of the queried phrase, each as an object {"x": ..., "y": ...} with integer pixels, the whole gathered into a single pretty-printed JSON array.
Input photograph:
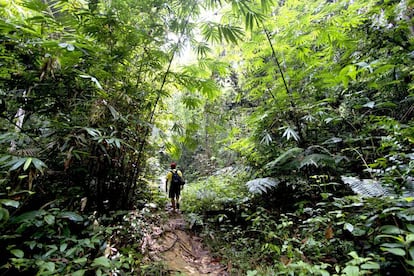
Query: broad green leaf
[
  {"x": 391, "y": 229},
  {"x": 410, "y": 262},
  {"x": 409, "y": 238},
  {"x": 50, "y": 219},
  {"x": 392, "y": 245},
  {"x": 71, "y": 251},
  {"x": 39, "y": 164},
  {"x": 80, "y": 272},
  {"x": 351, "y": 270},
  {"x": 17, "y": 253},
  {"x": 82, "y": 260},
  {"x": 4, "y": 214},
  {"x": 28, "y": 216},
  {"x": 9, "y": 202},
  {"x": 72, "y": 216},
  {"x": 395, "y": 251},
  {"x": 50, "y": 266},
  {"x": 27, "y": 163},
  {"x": 31, "y": 244},
  {"x": 411, "y": 251},
  {"x": 101, "y": 261},
  {"x": 63, "y": 247},
  {"x": 370, "y": 265},
  {"x": 18, "y": 163},
  {"x": 349, "y": 227}
]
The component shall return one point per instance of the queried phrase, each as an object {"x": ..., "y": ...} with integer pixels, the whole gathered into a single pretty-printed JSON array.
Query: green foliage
[
  {"x": 261, "y": 185},
  {"x": 337, "y": 236},
  {"x": 216, "y": 193},
  {"x": 50, "y": 242}
]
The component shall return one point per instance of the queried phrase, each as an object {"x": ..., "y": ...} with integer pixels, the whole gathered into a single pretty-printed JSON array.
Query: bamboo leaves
[
  {"x": 24, "y": 163},
  {"x": 216, "y": 32}
]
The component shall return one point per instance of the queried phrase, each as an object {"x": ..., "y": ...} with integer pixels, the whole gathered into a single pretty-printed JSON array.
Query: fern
[
  {"x": 365, "y": 187},
  {"x": 261, "y": 185}
]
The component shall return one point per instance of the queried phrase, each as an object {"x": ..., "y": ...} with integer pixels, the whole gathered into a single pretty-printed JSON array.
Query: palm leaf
[
  {"x": 317, "y": 160},
  {"x": 284, "y": 157},
  {"x": 261, "y": 185}
]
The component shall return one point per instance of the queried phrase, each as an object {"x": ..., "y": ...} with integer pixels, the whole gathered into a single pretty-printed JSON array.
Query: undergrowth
[
  {"x": 348, "y": 235},
  {"x": 53, "y": 241}
]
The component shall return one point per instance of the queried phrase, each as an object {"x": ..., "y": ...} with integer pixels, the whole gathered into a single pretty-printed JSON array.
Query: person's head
[{"x": 173, "y": 165}]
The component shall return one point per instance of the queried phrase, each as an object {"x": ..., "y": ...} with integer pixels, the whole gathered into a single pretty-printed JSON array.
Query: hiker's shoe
[{"x": 178, "y": 205}]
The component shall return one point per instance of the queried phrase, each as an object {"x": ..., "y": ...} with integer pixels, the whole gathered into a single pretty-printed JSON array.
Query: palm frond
[
  {"x": 284, "y": 157},
  {"x": 317, "y": 160},
  {"x": 261, "y": 185},
  {"x": 178, "y": 128}
]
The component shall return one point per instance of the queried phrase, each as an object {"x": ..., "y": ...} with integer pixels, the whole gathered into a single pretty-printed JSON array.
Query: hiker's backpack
[{"x": 176, "y": 178}]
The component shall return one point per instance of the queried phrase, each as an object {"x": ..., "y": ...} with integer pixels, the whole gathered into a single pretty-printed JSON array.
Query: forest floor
[{"x": 182, "y": 252}]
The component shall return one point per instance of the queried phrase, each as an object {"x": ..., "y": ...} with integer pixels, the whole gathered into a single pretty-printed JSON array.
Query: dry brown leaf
[
  {"x": 285, "y": 260},
  {"x": 329, "y": 234}
]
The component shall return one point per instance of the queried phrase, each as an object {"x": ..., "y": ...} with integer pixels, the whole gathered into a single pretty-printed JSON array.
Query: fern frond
[
  {"x": 261, "y": 185},
  {"x": 365, "y": 187}
]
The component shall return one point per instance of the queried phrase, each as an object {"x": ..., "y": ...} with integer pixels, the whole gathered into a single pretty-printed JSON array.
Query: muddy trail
[{"x": 180, "y": 250}]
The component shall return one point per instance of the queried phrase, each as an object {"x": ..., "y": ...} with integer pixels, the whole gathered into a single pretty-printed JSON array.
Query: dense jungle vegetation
[{"x": 292, "y": 121}]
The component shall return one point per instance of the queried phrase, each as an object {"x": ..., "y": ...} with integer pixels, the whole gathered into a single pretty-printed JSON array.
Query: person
[{"x": 175, "y": 187}]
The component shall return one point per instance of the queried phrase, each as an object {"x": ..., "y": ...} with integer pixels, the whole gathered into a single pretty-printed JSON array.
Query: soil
[{"x": 180, "y": 250}]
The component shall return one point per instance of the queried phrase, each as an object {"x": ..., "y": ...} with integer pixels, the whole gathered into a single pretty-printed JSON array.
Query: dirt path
[{"x": 182, "y": 252}]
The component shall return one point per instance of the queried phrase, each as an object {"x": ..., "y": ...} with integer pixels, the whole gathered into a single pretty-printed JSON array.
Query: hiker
[{"x": 175, "y": 181}]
